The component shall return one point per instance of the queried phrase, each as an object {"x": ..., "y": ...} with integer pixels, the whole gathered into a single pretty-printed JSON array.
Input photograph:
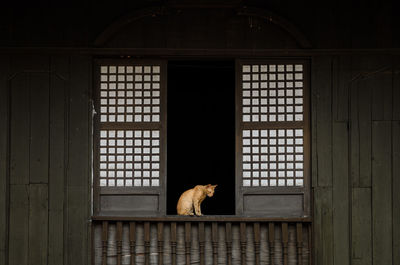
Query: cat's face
[{"x": 210, "y": 190}]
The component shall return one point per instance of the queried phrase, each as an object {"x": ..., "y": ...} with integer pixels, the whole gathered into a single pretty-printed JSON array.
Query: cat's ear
[
  {"x": 208, "y": 185},
  {"x": 214, "y": 186}
]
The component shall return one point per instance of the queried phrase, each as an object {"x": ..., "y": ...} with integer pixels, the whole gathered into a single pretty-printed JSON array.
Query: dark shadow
[{"x": 201, "y": 132}]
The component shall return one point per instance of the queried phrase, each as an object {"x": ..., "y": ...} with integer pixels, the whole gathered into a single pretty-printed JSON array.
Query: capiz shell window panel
[
  {"x": 272, "y": 92},
  {"x": 130, "y": 137},
  {"x": 130, "y": 122},
  {"x": 273, "y": 130},
  {"x": 130, "y": 93},
  {"x": 273, "y": 157},
  {"x": 129, "y": 158}
]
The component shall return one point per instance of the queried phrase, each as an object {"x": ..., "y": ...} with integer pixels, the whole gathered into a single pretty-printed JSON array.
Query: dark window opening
[{"x": 201, "y": 132}]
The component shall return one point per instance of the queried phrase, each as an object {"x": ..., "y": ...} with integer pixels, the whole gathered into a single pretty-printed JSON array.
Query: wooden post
[
  {"x": 299, "y": 239},
  {"x": 285, "y": 240},
  {"x": 201, "y": 242},
  {"x": 132, "y": 242},
  {"x": 119, "y": 243},
  {"x": 243, "y": 242},
  {"x": 104, "y": 238},
  {"x": 146, "y": 243},
  {"x": 160, "y": 241},
  {"x": 271, "y": 238},
  {"x": 188, "y": 241},
  {"x": 256, "y": 230},
  {"x": 228, "y": 240},
  {"x": 214, "y": 238},
  {"x": 173, "y": 243}
]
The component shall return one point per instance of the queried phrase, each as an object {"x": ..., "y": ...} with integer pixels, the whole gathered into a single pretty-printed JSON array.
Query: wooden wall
[
  {"x": 45, "y": 151},
  {"x": 355, "y": 160},
  {"x": 328, "y": 25}
]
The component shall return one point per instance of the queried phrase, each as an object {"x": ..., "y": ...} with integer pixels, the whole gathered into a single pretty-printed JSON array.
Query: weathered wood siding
[
  {"x": 355, "y": 131},
  {"x": 45, "y": 154}
]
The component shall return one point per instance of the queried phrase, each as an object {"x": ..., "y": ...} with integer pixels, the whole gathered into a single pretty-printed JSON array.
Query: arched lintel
[
  {"x": 114, "y": 27},
  {"x": 280, "y": 21},
  {"x": 262, "y": 13}
]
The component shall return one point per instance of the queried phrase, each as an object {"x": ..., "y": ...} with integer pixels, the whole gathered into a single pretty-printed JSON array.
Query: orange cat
[{"x": 194, "y": 197}]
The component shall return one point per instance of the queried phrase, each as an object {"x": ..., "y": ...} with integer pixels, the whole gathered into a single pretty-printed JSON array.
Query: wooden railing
[{"x": 201, "y": 240}]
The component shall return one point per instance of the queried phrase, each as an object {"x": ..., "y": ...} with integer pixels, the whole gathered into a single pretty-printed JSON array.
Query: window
[
  {"x": 201, "y": 132},
  {"x": 271, "y": 130},
  {"x": 130, "y": 137},
  {"x": 273, "y": 127}
]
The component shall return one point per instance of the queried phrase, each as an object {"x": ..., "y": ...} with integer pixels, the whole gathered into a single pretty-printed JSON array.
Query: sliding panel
[
  {"x": 273, "y": 132},
  {"x": 130, "y": 137}
]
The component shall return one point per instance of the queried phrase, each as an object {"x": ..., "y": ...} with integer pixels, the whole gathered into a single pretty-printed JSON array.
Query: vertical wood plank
[
  {"x": 146, "y": 243},
  {"x": 214, "y": 240},
  {"x": 395, "y": 191},
  {"x": 132, "y": 242},
  {"x": 257, "y": 236},
  {"x": 322, "y": 80},
  {"x": 119, "y": 243},
  {"x": 173, "y": 243},
  {"x": 39, "y": 126},
  {"x": 78, "y": 174},
  {"x": 57, "y": 157},
  {"x": 387, "y": 83},
  {"x": 228, "y": 240},
  {"x": 38, "y": 223},
  {"x": 381, "y": 193},
  {"x": 377, "y": 99},
  {"x": 104, "y": 240},
  {"x": 396, "y": 89},
  {"x": 285, "y": 239},
  {"x": 201, "y": 242},
  {"x": 381, "y": 81},
  {"x": 340, "y": 194},
  {"x": 362, "y": 123},
  {"x": 323, "y": 226},
  {"x": 361, "y": 232},
  {"x": 271, "y": 242},
  {"x": 342, "y": 72},
  {"x": 354, "y": 134},
  {"x": 4, "y": 187},
  {"x": 19, "y": 129},
  {"x": 18, "y": 242},
  {"x": 19, "y": 225},
  {"x": 38, "y": 164},
  {"x": 23, "y": 168},
  {"x": 365, "y": 88},
  {"x": 188, "y": 241}
]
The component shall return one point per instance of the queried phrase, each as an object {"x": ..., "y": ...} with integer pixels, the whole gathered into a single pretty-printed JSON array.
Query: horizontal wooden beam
[
  {"x": 167, "y": 52},
  {"x": 214, "y": 218}
]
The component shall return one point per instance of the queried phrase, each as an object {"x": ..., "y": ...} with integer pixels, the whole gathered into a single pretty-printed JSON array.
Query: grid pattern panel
[
  {"x": 130, "y": 93},
  {"x": 273, "y": 157},
  {"x": 129, "y": 158},
  {"x": 272, "y": 92}
]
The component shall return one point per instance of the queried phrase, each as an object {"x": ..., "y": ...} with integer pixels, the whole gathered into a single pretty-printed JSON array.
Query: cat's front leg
[{"x": 197, "y": 208}]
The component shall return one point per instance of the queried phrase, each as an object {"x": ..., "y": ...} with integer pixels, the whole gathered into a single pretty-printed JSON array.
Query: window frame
[{"x": 240, "y": 191}]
